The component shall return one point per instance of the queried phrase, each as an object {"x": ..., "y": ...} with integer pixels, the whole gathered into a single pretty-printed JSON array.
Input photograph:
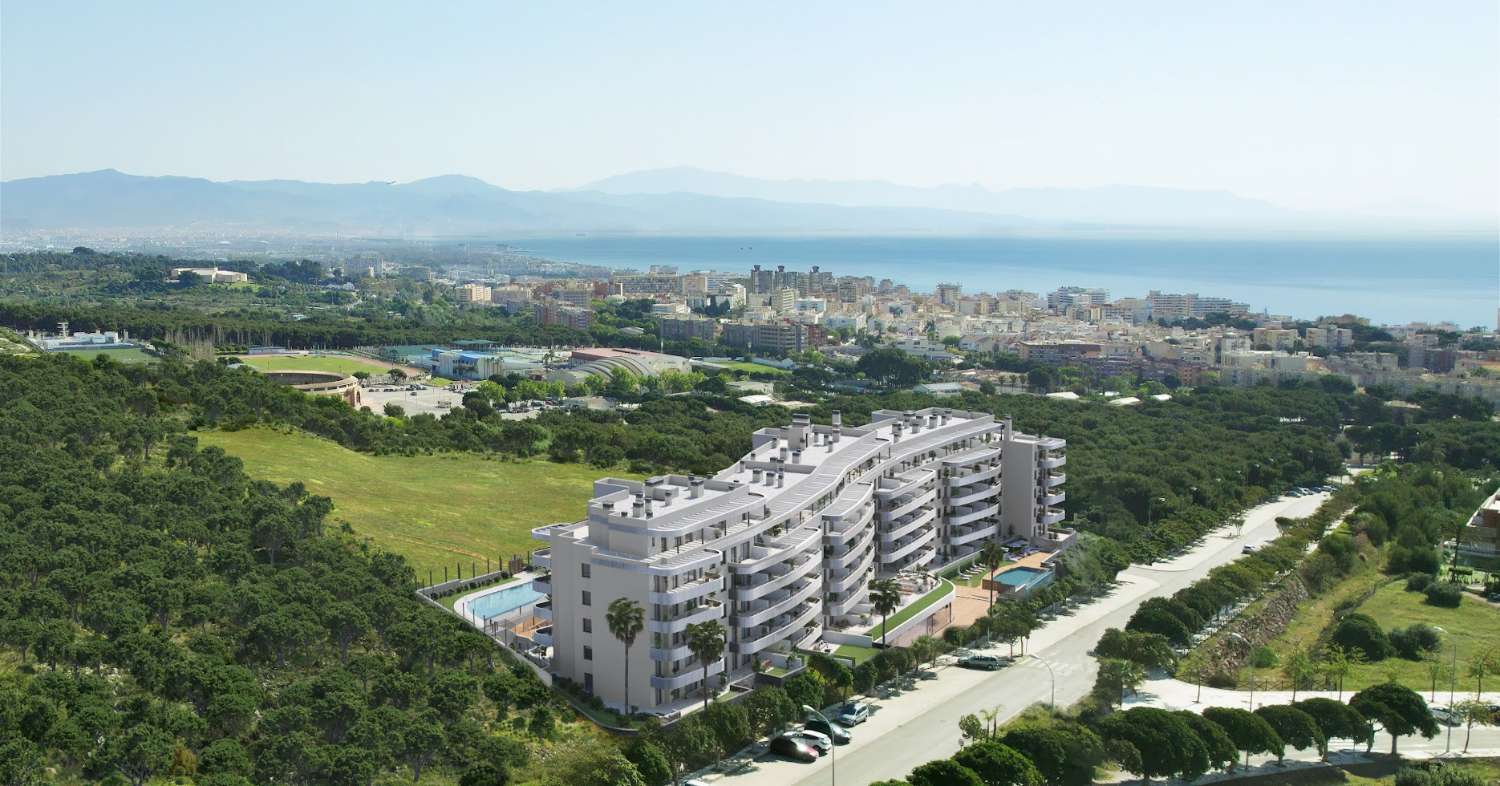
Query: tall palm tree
[
  {"x": 991, "y": 556},
  {"x": 626, "y": 619},
  {"x": 885, "y": 596},
  {"x": 706, "y": 640}
]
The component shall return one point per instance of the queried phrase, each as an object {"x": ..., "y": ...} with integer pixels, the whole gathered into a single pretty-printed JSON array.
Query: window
[
  {"x": 588, "y": 683},
  {"x": 586, "y": 598},
  {"x": 583, "y": 570},
  {"x": 588, "y": 625},
  {"x": 588, "y": 653}
]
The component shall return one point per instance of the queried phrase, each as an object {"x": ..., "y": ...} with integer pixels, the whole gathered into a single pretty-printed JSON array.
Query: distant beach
[{"x": 1389, "y": 280}]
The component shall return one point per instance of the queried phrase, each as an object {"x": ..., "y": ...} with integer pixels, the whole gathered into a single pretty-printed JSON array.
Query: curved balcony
[
  {"x": 849, "y": 557},
  {"x": 1051, "y": 516},
  {"x": 970, "y": 534},
  {"x": 754, "y": 591},
  {"x": 852, "y": 577},
  {"x": 543, "y": 610},
  {"x": 780, "y": 632},
  {"x": 962, "y": 516},
  {"x": 542, "y": 584},
  {"x": 903, "y": 528},
  {"x": 906, "y": 486},
  {"x": 781, "y": 548},
  {"x": 1056, "y": 479},
  {"x": 711, "y": 610},
  {"x": 542, "y": 558},
  {"x": 852, "y": 529},
  {"x": 909, "y": 506},
  {"x": 909, "y": 547},
  {"x": 847, "y": 605},
  {"x": 687, "y": 677},
  {"x": 959, "y": 481},
  {"x": 917, "y": 560},
  {"x": 1054, "y": 499},
  {"x": 1054, "y": 462},
  {"x": 671, "y": 654},
  {"x": 710, "y": 583},
  {"x": 755, "y": 617},
  {"x": 853, "y": 548},
  {"x": 542, "y": 636},
  {"x": 983, "y": 492}
]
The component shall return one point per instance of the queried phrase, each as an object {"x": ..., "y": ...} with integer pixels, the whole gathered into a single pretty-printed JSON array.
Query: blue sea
[{"x": 1390, "y": 280}]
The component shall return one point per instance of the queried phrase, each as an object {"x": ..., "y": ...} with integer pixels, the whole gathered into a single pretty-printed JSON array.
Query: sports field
[
  {"x": 122, "y": 355},
  {"x": 435, "y": 510},
  {"x": 752, "y": 368},
  {"x": 338, "y": 364}
]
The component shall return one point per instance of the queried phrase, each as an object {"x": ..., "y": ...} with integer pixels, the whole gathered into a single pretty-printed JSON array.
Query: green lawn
[
  {"x": 436, "y": 510},
  {"x": 337, "y": 364},
  {"x": 912, "y": 608},
  {"x": 855, "y": 653},
  {"x": 752, "y": 368},
  {"x": 126, "y": 355},
  {"x": 1474, "y": 625}
]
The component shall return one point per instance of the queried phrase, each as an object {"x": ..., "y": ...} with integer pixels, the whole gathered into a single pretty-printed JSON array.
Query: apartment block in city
[{"x": 780, "y": 547}]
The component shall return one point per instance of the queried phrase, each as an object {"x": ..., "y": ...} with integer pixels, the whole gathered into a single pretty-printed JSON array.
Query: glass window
[
  {"x": 586, "y": 597},
  {"x": 588, "y": 625},
  {"x": 588, "y": 653},
  {"x": 583, "y": 570}
]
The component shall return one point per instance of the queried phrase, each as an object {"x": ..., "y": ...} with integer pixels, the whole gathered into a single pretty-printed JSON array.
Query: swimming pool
[
  {"x": 504, "y": 600},
  {"x": 1020, "y": 577}
]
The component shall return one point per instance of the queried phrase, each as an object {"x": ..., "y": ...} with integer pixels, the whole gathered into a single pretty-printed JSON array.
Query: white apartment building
[{"x": 782, "y": 545}]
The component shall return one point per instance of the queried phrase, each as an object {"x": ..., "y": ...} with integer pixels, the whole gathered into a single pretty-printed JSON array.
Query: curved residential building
[{"x": 783, "y": 544}]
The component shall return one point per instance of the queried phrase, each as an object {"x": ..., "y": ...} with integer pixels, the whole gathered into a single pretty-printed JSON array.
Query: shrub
[
  {"x": 1263, "y": 658},
  {"x": 1445, "y": 595},
  {"x": 1418, "y": 582},
  {"x": 1361, "y": 632},
  {"x": 1413, "y": 640}
]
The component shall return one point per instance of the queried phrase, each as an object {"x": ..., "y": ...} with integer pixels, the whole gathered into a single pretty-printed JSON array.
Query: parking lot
[{"x": 429, "y": 400}]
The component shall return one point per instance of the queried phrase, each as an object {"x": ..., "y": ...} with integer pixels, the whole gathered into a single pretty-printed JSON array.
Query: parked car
[
  {"x": 1248, "y": 549},
  {"x": 833, "y": 731},
  {"x": 985, "y": 662},
  {"x": 853, "y": 713},
  {"x": 1446, "y": 716},
  {"x": 793, "y": 749},
  {"x": 816, "y": 739}
]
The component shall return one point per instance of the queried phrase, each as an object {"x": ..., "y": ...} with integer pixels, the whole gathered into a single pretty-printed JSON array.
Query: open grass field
[
  {"x": 125, "y": 355},
  {"x": 752, "y": 368},
  {"x": 1474, "y": 625},
  {"x": 435, "y": 510},
  {"x": 337, "y": 364}
]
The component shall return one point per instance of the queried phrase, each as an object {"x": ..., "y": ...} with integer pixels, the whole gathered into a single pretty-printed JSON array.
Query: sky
[{"x": 1355, "y": 106}]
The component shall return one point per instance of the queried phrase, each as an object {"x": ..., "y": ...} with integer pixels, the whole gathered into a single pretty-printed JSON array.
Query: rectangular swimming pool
[
  {"x": 1020, "y": 577},
  {"x": 504, "y": 600}
]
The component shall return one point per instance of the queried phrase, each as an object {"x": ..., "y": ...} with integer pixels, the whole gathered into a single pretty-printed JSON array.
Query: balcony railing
[
  {"x": 971, "y": 478},
  {"x": 909, "y": 505},
  {"x": 900, "y": 529},
  {"x": 709, "y": 583},
  {"x": 756, "y": 617},
  {"x": 1054, "y": 499},
  {"x": 710, "y": 610},
  {"x": 1050, "y": 516},
  {"x": 542, "y": 584},
  {"x": 841, "y": 580},
  {"x": 542, "y": 558},
  {"x": 1053, "y": 462},
  {"x": 963, "y": 516},
  {"x": 969, "y": 497},
  {"x": 1056, "y": 479},
  {"x": 543, "y": 610},
  {"x": 960, "y": 535},
  {"x": 764, "y": 588},
  {"x": 687, "y": 676},
  {"x": 778, "y": 632},
  {"x": 910, "y": 546}
]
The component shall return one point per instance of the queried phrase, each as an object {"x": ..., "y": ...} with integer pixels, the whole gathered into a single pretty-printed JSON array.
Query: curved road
[{"x": 921, "y": 725}]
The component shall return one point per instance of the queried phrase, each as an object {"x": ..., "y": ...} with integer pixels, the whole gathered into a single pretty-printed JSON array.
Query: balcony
[
  {"x": 904, "y": 507},
  {"x": 542, "y": 584},
  {"x": 970, "y": 497},
  {"x": 839, "y": 581},
  {"x": 542, "y": 558},
  {"x": 971, "y": 478},
  {"x": 670, "y": 654},
  {"x": 785, "y": 628},
  {"x": 778, "y": 605},
  {"x": 783, "y": 547},
  {"x": 850, "y": 528},
  {"x": 900, "y": 529},
  {"x": 847, "y": 604},
  {"x": 710, "y": 610},
  {"x": 1050, "y": 516},
  {"x": 917, "y": 560},
  {"x": 807, "y": 564},
  {"x": 909, "y": 546},
  {"x": 1053, "y": 462},
  {"x": 849, "y": 557},
  {"x": 958, "y": 536},
  {"x": 687, "y": 676},
  {"x": 709, "y": 583},
  {"x": 965, "y": 515},
  {"x": 543, "y": 610},
  {"x": 1056, "y": 479},
  {"x": 1053, "y": 499},
  {"x": 542, "y": 636}
]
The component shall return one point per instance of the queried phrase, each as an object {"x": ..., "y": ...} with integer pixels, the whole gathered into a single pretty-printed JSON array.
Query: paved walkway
[{"x": 914, "y": 727}]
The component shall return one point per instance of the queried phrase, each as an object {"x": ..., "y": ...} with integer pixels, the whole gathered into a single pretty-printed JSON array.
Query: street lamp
[
  {"x": 1452, "y": 684},
  {"x": 1052, "y": 701},
  {"x": 833, "y": 743}
]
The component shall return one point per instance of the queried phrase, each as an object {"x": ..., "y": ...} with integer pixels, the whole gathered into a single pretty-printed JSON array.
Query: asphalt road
[{"x": 920, "y": 725}]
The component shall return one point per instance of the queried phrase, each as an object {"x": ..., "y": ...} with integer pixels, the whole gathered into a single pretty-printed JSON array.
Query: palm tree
[
  {"x": 706, "y": 640},
  {"x": 991, "y": 556},
  {"x": 885, "y": 596},
  {"x": 625, "y": 619}
]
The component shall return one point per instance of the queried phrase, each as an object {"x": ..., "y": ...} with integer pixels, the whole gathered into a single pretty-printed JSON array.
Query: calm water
[
  {"x": 505, "y": 599},
  {"x": 1389, "y": 280}
]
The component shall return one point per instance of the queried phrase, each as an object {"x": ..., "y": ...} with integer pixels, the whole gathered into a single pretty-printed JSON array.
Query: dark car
[
  {"x": 832, "y": 731},
  {"x": 986, "y": 662},
  {"x": 795, "y": 750}
]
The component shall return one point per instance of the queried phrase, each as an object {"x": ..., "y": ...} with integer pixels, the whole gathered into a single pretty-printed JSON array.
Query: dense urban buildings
[{"x": 780, "y": 547}]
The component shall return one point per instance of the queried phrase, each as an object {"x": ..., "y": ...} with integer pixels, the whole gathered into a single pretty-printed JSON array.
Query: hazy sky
[{"x": 1322, "y": 105}]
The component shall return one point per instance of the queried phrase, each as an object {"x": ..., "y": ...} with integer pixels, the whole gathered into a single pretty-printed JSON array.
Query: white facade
[{"x": 783, "y": 544}]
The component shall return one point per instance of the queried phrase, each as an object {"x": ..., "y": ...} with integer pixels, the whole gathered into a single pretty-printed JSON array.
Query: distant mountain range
[{"x": 678, "y": 200}]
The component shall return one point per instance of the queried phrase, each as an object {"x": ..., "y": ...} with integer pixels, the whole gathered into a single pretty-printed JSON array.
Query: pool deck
[{"x": 461, "y": 606}]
